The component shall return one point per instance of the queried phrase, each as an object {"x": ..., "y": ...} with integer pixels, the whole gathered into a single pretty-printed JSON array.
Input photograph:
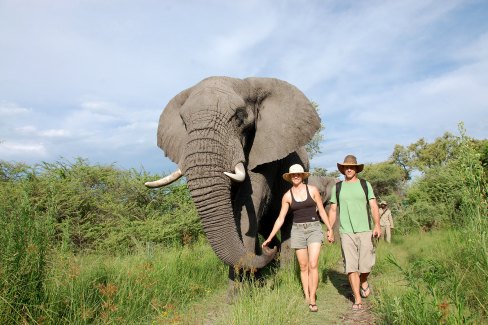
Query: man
[
  {"x": 386, "y": 221},
  {"x": 356, "y": 230}
]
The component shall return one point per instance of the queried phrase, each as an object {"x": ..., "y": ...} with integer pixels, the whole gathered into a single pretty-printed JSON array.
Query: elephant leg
[
  {"x": 286, "y": 253},
  {"x": 249, "y": 203},
  {"x": 251, "y": 200}
]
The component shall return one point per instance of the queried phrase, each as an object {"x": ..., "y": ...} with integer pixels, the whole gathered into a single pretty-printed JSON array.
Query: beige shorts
[
  {"x": 303, "y": 234},
  {"x": 358, "y": 252}
]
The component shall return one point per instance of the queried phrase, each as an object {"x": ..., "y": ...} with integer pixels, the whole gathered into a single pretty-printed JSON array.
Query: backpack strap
[
  {"x": 338, "y": 191},
  {"x": 364, "y": 185}
]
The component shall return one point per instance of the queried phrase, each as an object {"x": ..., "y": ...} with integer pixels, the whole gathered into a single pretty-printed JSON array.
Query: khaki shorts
[
  {"x": 303, "y": 234},
  {"x": 358, "y": 252}
]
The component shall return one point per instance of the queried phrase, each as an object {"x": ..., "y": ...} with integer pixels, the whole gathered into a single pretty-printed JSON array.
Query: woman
[{"x": 306, "y": 233}]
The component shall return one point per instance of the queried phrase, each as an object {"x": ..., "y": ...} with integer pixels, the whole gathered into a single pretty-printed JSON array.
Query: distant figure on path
[
  {"x": 386, "y": 221},
  {"x": 353, "y": 201}
]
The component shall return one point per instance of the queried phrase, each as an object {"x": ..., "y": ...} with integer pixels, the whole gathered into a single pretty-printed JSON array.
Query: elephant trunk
[{"x": 211, "y": 193}]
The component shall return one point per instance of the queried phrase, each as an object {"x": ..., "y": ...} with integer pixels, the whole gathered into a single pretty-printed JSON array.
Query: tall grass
[
  {"x": 135, "y": 289},
  {"x": 24, "y": 241},
  {"x": 149, "y": 264},
  {"x": 445, "y": 281}
]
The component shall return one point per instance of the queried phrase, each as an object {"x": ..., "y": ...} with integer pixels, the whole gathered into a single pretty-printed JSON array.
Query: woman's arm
[
  {"x": 323, "y": 215},
  {"x": 285, "y": 205}
]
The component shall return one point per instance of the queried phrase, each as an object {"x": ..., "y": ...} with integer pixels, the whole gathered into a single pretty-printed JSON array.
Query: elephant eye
[{"x": 240, "y": 116}]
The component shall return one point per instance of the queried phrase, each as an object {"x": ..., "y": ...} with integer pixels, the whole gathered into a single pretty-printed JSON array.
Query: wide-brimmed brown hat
[
  {"x": 382, "y": 202},
  {"x": 350, "y": 160},
  {"x": 295, "y": 169}
]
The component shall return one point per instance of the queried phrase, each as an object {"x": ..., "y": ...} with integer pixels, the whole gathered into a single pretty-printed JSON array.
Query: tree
[
  {"x": 318, "y": 171},
  {"x": 481, "y": 146},
  {"x": 402, "y": 158},
  {"x": 313, "y": 147},
  {"x": 422, "y": 155},
  {"x": 386, "y": 178}
]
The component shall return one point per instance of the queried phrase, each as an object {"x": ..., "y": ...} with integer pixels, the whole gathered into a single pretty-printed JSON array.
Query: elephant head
[
  {"x": 324, "y": 184},
  {"x": 217, "y": 132}
]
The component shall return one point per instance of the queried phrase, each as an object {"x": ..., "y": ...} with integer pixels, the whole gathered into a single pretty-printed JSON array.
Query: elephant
[
  {"x": 233, "y": 139},
  {"x": 324, "y": 184}
]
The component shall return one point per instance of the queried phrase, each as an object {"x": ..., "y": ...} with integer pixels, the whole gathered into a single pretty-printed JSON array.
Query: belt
[{"x": 305, "y": 225}]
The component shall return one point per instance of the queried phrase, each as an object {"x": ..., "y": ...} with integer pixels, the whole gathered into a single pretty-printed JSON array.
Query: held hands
[
  {"x": 265, "y": 243},
  {"x": 330, "y": 236}
]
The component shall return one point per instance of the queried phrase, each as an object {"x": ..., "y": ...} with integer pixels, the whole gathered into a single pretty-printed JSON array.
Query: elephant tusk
[
  {"x": 165, "y": 180},
  {"x": 240, "y": 173}
]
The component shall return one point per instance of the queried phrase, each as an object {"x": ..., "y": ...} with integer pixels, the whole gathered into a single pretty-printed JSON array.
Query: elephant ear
[
  {"x": 172, "y": 135},
  {"x": 286, "y": 120}
]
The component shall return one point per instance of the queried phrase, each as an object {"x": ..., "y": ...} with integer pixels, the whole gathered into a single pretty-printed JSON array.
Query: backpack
[{"x": 364, "y": 185}]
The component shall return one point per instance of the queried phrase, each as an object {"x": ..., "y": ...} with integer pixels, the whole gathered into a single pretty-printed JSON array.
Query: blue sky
[{"x": 90, "y": 78}]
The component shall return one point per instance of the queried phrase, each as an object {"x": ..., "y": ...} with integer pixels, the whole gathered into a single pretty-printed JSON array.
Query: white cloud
[
  {"x": 26, "y": 129},
  {"x": 55, "y": 133},
  {"x": 9, "y": 109},
  {"x": 14, "y": 150},
  {"x": 96, "y": 75}
]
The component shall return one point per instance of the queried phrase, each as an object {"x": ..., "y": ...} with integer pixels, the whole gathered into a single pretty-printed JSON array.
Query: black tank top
[{"x": 304, "y": 211}]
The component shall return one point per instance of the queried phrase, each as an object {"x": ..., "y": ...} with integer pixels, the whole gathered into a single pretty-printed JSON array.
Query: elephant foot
[{"x": 232, "y": 292}]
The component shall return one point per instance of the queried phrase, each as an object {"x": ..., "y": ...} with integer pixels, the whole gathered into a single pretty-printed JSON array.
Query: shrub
[{"x": 103, "y": 208}]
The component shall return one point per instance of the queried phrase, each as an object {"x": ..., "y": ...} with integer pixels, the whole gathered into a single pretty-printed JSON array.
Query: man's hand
[{"x": 377, "y": 231}]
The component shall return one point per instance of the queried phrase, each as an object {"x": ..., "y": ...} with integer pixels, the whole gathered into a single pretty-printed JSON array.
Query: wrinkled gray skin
[
  {"x": 211, "y": 127},
  {"x": 324, "y": 184}
]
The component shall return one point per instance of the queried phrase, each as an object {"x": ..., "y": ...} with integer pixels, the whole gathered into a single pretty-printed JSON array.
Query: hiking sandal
[
  {"x": 362, "y": 291},
  {"x": 313, "y": 308}
]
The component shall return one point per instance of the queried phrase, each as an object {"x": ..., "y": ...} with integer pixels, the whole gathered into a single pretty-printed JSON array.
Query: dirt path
[{"x": 333, "y": 301}]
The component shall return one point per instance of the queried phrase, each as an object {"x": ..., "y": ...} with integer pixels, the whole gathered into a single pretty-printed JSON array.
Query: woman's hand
[
  {"x": 330, "y": 236},
  {"x": 266, "y": 242}
]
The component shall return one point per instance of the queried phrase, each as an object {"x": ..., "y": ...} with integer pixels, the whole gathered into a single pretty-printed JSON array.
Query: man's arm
[{"x": 376, "y": 217}]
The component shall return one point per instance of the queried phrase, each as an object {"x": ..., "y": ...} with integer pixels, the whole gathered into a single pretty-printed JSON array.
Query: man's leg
[
  {"x": 350, "y": 249},
  {"x": 353, "y": 278},
  {"x": 363, "y": 279},
  {"x": 367, "y": 258},
  {"x": 388, "y": 234}
]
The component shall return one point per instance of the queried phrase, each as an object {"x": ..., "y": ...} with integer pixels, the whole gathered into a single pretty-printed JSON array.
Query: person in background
[
  {"x": 306, "y": 233},
  {"x": 356, "y": 231},
  {"x": 386, "y": 221}
]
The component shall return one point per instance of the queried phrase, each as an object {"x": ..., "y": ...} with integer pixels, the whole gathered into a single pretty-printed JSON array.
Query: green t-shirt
[{"x": 353, "y": 215}]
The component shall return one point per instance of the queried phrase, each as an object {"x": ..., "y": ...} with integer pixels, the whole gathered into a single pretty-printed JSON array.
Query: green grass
[
  {"x": 132, "y": 289},
  {"x": 90, "y": 245},
  {"x": 278, "y": 298},
  {"x": 423, "y": 279}
]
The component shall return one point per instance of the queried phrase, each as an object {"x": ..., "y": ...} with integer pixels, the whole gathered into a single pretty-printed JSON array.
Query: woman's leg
[
  {"x": 313, "y": 270},
  {"x": 302, "y": 257}
]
